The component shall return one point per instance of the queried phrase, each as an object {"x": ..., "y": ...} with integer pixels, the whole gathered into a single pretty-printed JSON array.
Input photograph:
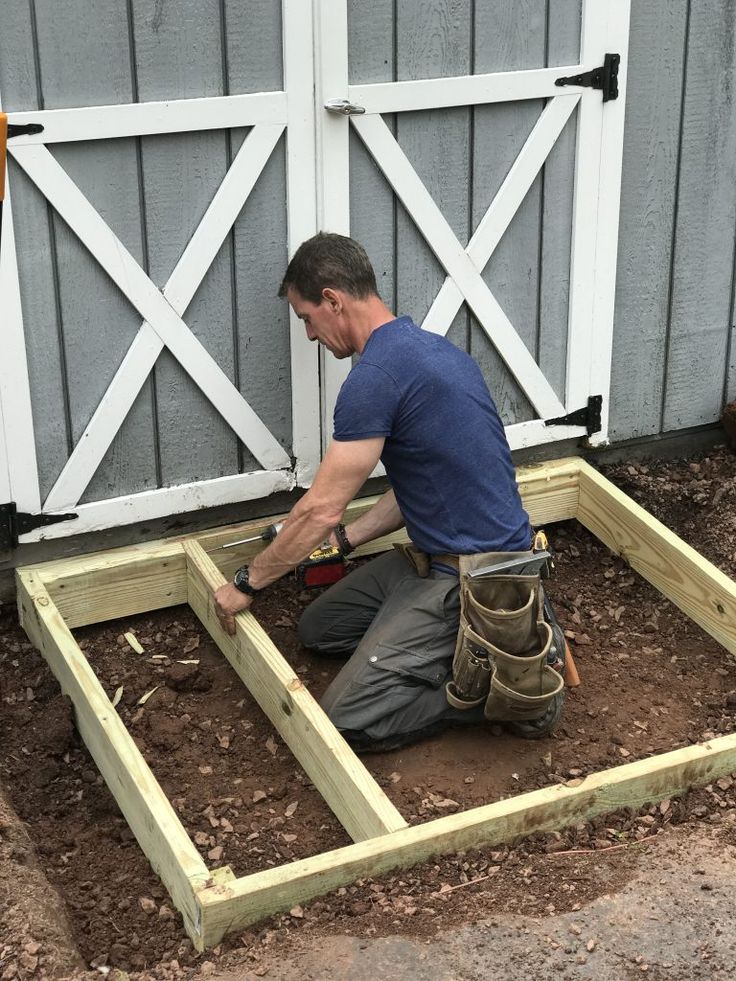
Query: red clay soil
[{"x": 651, "y": 682}]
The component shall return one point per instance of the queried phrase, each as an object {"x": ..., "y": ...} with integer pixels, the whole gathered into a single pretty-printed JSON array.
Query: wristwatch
[
  {"x": 241, "y": 582},
  {"x": 343, "y": 541}
]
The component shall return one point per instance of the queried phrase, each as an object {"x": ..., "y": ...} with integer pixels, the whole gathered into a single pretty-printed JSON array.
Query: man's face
[{"x": 324, "y": 323}]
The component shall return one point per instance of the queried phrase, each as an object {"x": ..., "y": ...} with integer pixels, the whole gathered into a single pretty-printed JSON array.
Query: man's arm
[
  {"x": 383, "y": 518},
  {"x": 345, "y": 468}
]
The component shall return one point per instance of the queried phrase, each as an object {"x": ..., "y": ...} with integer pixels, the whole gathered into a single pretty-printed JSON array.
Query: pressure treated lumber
[
  {"x": 360, "y": 805},
  {"x": 126, "y": 581},
  {"x": 701, "y": 590},
  {"x": 248, "y": 899},
  {"x": 122, "y": 582},
  {"x": 147, "y": 810},
  {"x": 138, "y": 578}
]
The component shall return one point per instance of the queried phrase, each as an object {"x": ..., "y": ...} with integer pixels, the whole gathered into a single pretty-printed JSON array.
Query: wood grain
[
  {"x": 508, "y": 37},
  {"x": 97, "y": 324},
  {"x": 652, "y": 129},
  {"x": 680, "y": 573},
  {"x": 178, "y": 56},
  {"x": 147, "y": 810},
  {"x": 563, "y": 48},
  {"x": 706, "y": 222},
  {"x": 358, "y": 802},
  {"x": 246, "y": 900},
  {"x": 433, "y": 39}
]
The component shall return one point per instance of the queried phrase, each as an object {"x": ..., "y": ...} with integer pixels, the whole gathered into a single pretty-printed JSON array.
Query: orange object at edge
[
  {"x": 572, "y": 678},
  {"x": 3, "y": 151}
]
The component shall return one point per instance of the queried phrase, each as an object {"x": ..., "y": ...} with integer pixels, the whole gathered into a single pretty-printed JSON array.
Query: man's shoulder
[{"x": 405, "y": 340}]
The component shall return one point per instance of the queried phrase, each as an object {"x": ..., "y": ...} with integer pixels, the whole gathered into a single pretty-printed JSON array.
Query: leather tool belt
[
  {"x": 422, "y": 561},
  {"x": 501, "y": 656}
]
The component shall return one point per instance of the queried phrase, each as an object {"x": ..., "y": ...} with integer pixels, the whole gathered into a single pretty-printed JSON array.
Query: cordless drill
[{"x": 324, "y": 566}]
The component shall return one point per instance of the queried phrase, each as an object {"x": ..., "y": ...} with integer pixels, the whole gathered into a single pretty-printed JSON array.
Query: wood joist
[{"x": 57, "y": 596}]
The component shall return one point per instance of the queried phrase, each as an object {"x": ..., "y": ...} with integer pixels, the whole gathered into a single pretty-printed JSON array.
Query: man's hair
[{"x": 330, "y": 260}]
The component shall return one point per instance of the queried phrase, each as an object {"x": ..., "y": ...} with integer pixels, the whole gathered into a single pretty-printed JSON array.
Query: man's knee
[{"x": 310, "y": 627}]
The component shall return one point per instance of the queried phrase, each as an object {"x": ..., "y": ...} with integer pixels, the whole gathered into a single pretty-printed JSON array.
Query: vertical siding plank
[
  {"x": 433, "y": 39},
  {"x": 508, "y": 37},
  {"x": 371, "y": 30},
  {"x": 729, "y": 393},
  {"x": 651, "y": 136},
  {"x": 33, "y": 248},
  {"x": 706, "y": 217},
  {"x": 261, "y": 256},
  {"x": 563, "y": 48},
  {"x": 253, "y": 45},
  {"x": 84, "y": 59},
  {"x": 260, "y": 232},
  {"x": 178, "y": 55}
]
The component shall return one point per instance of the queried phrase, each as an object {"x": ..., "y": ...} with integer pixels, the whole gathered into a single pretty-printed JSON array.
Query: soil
[
  {"x": 728, "y": 421},
  {"x": 76, "y": 892}
]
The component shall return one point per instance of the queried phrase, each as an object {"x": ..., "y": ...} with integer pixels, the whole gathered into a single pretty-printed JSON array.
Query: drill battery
[{"x": 324, "y": 567}]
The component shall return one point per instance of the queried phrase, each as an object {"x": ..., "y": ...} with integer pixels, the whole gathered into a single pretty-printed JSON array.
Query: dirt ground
[{"x": 77, "y": 895}]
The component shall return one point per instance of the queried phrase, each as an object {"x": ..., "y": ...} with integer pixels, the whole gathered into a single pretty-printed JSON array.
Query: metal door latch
[
  {"x": 604, "y": 78},
  {"x": 344, "y": 108}
]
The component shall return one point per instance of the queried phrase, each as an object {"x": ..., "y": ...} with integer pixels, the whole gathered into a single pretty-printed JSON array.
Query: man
[{"x": 421, "y": 406}]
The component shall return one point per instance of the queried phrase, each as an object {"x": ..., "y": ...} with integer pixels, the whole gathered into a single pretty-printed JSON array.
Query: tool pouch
[{"x": 503, "y": 643}]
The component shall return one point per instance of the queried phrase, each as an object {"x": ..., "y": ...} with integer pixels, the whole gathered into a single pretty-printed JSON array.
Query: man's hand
[{"x": 228, "y": 602}]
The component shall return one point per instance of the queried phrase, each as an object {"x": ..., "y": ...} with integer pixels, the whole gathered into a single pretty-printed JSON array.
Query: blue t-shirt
[{"x": 446, "y": 452}]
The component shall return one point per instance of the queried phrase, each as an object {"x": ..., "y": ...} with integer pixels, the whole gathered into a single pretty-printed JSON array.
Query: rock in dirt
[
  {"x": 187, "y": 677},
  {"x": 165, "y": 731}
]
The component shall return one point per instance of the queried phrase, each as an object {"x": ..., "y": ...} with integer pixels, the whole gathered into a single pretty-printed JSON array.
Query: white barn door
[
  {"x": 597, "y": 172},
  {"x": 267, "y": 115}
]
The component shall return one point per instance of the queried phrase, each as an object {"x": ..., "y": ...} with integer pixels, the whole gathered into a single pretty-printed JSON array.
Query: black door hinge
[
  {"x": 604, "y": 78},
  {"x": 28, "y": 129},
  {"x": 14, "y": 523},
  {"x": 590, "y": 416}
]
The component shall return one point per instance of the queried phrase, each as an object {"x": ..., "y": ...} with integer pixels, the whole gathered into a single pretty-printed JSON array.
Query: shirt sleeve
[{"x": 367, "y": 404}]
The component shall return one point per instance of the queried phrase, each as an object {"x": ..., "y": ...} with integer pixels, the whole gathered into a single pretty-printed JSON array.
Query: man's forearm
[
  {"x": 383, "y": 518},
  {"x": 303, "y": 531},
  {"x": 301, "y": 534}
]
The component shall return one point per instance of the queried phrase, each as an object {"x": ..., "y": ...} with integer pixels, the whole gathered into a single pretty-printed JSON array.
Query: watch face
[{"x": 241, "y": 582}]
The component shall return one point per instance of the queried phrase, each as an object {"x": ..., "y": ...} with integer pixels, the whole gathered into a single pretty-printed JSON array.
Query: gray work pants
[{"x": 399, "y": 633}]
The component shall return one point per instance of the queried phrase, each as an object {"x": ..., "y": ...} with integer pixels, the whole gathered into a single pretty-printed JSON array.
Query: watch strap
[
  {"x": 242, "y": 582},
  {"x": 342, "y": 540}
]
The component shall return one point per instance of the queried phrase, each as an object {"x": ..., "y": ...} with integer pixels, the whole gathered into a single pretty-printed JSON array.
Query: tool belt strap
[
  {"x": 422, "y": 562},
  {"x": 445, "y": 558}
]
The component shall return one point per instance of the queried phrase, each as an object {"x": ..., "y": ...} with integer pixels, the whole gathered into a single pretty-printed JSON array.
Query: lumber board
[
  {"x": 349, "y": 790},
  {"x": 549, "y": 491},
  {"x": 127, "y": 775},
  {"x": 680, "y": 573},
  {"x": 236, "y": 904},
  {"x": 118, "y": 583},
  {"x": 138, "y": 578}
]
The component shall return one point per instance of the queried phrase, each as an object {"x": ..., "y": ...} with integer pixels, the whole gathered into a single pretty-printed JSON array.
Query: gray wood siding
[
  {"x": 674, "y": 357},
  {"x": 152, "y": 192}
]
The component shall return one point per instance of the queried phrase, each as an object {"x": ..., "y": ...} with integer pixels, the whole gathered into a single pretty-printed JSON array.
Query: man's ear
[{"x": 332, "y": 297}]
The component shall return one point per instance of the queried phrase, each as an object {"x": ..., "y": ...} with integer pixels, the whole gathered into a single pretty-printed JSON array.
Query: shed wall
[
  {"x": 152, "y": 191},
  {"x": 673, "y": 364}
]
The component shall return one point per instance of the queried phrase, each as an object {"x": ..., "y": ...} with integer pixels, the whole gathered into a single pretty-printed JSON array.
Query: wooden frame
[
  {"x": 57, "y": 596},
  {"x": 604, "y": 28}
]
